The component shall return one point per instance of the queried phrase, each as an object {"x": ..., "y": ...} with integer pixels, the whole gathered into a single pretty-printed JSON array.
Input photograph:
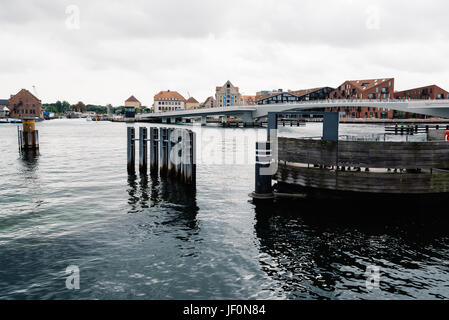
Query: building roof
[
  {"x": 368, "y": 84},
  {"x": 4, "y": 102},
  {"x": 169, "y": 95},
  {"x": 297, "y": 93},
  {"x": 192, "y": 100},
  {"x": 420, "y": 88},
  {"x": 132, "y": 99},
  {"x": 27, "y": 92}
]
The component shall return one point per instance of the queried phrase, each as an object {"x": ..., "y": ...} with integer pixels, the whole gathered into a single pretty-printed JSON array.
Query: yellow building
[
  {"x": 133, "y": 103},
  {"x": 191, "y": 103}
]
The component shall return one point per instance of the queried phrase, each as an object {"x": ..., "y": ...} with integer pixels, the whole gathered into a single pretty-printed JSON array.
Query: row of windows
[
  {"x": 169, "y": 103},
  {"x": 26, "y": 111},
  {"x": 169, "y": 108}
]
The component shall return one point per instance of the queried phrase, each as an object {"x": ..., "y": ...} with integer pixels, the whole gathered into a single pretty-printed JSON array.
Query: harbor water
[{"x": 137, "y": 237}]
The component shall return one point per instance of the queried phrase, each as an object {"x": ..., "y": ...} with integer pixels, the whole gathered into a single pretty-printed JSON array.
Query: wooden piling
[
  {"x": 154, "y": 150},
  {"x": 29, "y": 136},
  {"x": 131, "y": 150},
  {"x": 143, "y": 149},
  {"x": 163, "y": 144}
]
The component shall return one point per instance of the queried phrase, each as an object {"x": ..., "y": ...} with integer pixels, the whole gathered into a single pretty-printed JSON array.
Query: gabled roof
[
  {"x": 367, "y": 84},
  {"x": 132, "y": 99},
  {"x": 192, "y": 100},
  {"x": 27, "y": 92},
  {"x": 297, "y": 93},
  {"x": 169, "y": 95}
]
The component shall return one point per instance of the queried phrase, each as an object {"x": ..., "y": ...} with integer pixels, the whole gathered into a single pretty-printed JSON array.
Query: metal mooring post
[
  {"x": 263, "y": 188},
  {"x": 143, "y": 149},
  {"x": 131, "y": 150},
  {"x": 154, "y": 150}
]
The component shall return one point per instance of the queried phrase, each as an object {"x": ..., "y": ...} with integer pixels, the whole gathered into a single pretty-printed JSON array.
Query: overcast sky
[{"x": 102, "y": 51}]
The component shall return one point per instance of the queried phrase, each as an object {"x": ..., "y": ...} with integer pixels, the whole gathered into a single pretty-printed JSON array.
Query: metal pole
[{"x": 263, "y": 160}]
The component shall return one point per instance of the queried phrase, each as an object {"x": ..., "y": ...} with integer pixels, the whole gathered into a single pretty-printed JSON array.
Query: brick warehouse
[
  {"x": 432, "y": 92},
  {"x": 364, "y": 89},
  {"x": 24, "y": 104}
]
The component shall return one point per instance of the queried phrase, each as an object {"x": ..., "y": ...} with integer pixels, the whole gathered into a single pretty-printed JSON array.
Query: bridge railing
[{"x": 358, "y": 101}]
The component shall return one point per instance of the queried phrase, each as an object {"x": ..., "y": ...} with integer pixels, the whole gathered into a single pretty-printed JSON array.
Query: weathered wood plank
[
  {"x": 404, "y": 183},
  {"x": 406, "y": 155}
]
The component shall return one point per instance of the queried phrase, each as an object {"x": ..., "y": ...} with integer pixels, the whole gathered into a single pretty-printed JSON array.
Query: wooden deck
[{"x": 297, "y": 158}]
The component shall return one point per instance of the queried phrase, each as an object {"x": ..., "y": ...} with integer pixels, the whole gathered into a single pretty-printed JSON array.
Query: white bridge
[{"x": 437, "y": 108}]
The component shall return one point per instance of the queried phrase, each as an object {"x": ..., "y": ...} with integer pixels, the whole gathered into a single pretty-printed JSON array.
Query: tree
[{"x": 79, "y": 107}]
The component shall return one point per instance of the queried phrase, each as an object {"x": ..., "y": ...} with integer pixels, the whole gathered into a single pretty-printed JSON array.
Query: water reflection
[
  {"x": 316, "y": 250},
  {"x": 176, "y": 202},
  {"x": 30, "y": 159}
]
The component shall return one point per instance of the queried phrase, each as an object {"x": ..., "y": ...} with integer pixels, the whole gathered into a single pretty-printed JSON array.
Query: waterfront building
[
  {"x": 4, "y": 110},
  {"x": 209, "y": 103},
  {"x": 24, "y": 104},
  {"x": 432, "y": 92},
  {"x": 228, "y": 96},
  {"x": 131, "y": 105},
  {"x": 267, "y": 92},
  {"x": 294, "y": 96},
  {"x": 192, "y": 103},
  {"x": 249, "y": 100},
  {"x": 364, "y": 89},
  {"x": 168, "y": 100},
  {"x": 133, "y": 102}
]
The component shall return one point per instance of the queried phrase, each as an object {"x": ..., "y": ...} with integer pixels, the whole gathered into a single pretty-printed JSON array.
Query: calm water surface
[{"x": 134, "y": 237}]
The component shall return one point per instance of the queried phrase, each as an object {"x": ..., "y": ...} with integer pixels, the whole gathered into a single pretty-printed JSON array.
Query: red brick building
[
  {"x": 24, "y": 105},
  {"x": 364, "y": 89},
  {"x": 432, "y": 92}
]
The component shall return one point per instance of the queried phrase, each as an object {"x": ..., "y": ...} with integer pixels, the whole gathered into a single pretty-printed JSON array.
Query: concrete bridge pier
[
  {"x": 203, "y": 121},
  {"x": 248, "y": 120},
  {"x": 164, "y": 120}
]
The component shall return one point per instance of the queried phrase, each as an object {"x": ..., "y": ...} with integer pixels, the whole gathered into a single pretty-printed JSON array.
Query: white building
[{"x": 166, "y": 101}]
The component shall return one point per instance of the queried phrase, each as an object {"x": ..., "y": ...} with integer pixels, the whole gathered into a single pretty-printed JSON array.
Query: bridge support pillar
[
  {"x": 164, "y": 120},
  {"x": 204, "y": 121},
  {"x": 248, "y": 120}
]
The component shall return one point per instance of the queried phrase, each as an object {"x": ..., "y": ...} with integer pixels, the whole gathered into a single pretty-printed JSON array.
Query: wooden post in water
[
  {"x": 29, "y": 137},
  {"x": 143, "y": 149},
  {"x": 154, "y": 150},
  {"x": 131, "y": 150},
  {"x": 171, "y": 169},
  {"x": 191, "y": 167},
  {"x": 163, "y": 154}
]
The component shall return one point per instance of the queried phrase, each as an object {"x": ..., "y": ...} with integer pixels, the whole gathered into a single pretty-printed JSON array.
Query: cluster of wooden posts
[
  {"x": 28, "y": 137},
  {"x": 172, "y": 152}
]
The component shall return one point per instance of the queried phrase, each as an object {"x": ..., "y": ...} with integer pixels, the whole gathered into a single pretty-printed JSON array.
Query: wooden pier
[
  {"x": 367, "y": 167},
  {"x": 356, "y": 167}
]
